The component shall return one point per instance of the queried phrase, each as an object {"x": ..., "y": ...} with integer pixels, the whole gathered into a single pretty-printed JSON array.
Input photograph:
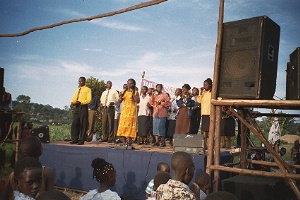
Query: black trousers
[
  {"x": 195, "y": 121},
  {"x": 80, "y": 123},
  {"x": 108, "y": 118}
]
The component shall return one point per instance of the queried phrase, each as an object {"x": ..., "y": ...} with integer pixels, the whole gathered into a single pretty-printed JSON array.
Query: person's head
[
  {"x": 30, "y": 146},
  {"x": 52, "y": 195},
  {"x": 29, "y": 125},
  {"x": 207, "y": 84},
  {"x": 150, "y": 90},
  {"x": 221, "y": 195},
  {"x": 125, "y": 86},
  {"x": 144, "y": 90},
  {"x": 163, "y": 167},
  {"x": 159, "y": 88},
  {"x": 183, "y": 166},
  {"x": 131, "y": 84},
  {"x": 28, "y": 175},
  {"x": 282, "y": 151},
  {"x": 23, "y": 123},
  {"x": 185, "y": 89},
  {"x": 160, "y": 178},
  {"x": 81, "y": 81},
  {"x": 203, "y": 181},
  {"x": 108, "y": 84},
  {"x": 104, "y": 172},
  {"x": 178, "y": 92},
  {"x": 195, "y": 91}
]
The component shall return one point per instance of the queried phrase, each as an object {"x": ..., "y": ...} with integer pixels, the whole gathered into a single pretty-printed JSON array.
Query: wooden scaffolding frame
[{"x": 213, "y": 157}]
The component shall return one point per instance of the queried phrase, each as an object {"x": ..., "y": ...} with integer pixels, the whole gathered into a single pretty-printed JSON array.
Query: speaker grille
[
  {"x": 249, "y": 56},
  {"x": 239, "y": 65}
]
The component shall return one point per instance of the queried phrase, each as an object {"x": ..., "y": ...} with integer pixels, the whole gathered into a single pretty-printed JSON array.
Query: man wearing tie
[
  {"x": 108, "y": 99},
  {"x": 80, "y": 100}
]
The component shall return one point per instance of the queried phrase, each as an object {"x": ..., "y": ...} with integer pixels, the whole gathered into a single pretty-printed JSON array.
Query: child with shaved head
[
  {"x": 161, "y": 167},
  {"x": 183, "y": 168}
]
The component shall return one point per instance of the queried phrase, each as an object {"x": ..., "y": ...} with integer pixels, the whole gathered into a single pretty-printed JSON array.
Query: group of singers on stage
[{"x": 128, "y": 114}]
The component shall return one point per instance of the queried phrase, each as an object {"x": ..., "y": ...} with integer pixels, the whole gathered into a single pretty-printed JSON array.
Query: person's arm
[
  {"x": 196, "y": 189},
  {"x": 190, "y": 102},
  {"x": 49, "y": 178},
  {"x": 73, "y": 101},
  {"x": 116, "y": 98},
  {"x": 136, "y": 96}
]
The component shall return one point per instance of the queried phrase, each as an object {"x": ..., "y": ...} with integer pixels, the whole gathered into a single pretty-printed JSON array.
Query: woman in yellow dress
[{"x": 127, "y": 125}]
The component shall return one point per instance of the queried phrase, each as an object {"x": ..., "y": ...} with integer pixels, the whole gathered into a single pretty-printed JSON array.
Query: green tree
[
  {"x": 23, "y": 104},
  {"x": 97, "y": 88},
  {"x": 287, "y": 125}
]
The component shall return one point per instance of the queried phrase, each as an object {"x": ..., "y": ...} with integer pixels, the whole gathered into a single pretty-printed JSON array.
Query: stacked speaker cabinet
[
  {"x": 293, "y": 76},
  {"x": 249, "y": 58}
]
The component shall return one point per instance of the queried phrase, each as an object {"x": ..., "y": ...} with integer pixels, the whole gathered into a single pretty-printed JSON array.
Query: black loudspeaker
[
  {"x": 42, "y": 133},
  {"x": 188, "y": 143},
  {"x": 293, "y": 76},
  {"x": 255, "y": 188},
  {"x": 249, "y": 58}
]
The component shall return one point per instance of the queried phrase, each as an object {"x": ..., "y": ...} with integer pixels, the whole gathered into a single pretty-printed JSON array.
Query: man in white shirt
[{"x": 108, "y": 101}]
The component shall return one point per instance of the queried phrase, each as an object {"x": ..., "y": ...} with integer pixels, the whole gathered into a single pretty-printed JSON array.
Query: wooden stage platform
[{"x": 135, "y": 168}]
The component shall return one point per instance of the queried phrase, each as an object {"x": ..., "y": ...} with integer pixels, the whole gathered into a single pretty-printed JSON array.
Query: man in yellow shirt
[{"x": 80, "y": 100}]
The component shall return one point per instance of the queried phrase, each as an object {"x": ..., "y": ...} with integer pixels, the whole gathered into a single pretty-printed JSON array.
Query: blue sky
[{"x": 174, "y": 42}]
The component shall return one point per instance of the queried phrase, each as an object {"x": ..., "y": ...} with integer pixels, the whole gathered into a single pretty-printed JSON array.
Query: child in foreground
[{"x": 105, "y": 174}]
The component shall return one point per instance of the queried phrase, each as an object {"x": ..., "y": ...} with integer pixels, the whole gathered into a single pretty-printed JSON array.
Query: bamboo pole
[
  {"x": 216, "y": 181},
  {"x": 135, "y": 7},
  {"x": 256, "y": 172},
  {"x": 281, "y": 164},
  {"x": 215, "y": 86},
  {"x": 282, "y": 104}
]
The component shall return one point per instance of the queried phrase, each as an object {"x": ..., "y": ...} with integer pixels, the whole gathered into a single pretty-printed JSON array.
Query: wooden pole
[
  {"x": 19, "y": 116},
  {"x": 215, "y": 86},
  {"x": 282, "y": 104},
  {"x": 272, "y": 164},
  {"x": 243, "y": 157},
  {"x": 216, "y": 181},
  {"x": 143, "y": 76},
  {"x": 281, "y": 164},
  {"x": 256, "y": 172},
  {"x": 138, "y": 6}
]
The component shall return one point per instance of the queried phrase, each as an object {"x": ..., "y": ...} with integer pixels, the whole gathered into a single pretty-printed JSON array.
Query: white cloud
[
  {"x": 93, "y": 50},
  {"x": 116, "y": 25}
]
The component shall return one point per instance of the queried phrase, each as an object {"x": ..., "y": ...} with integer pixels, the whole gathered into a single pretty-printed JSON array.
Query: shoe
[
  {"x": 89, "y": 140},
  {"x": 109, "y": 141},
  {"x": 163, "y": 145},
  {"x": 155, "y": 144},
  {"x": 103, "y": 140},
  {"x": 72, "y": 142},
  {"x": 80, "y": 143}
]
